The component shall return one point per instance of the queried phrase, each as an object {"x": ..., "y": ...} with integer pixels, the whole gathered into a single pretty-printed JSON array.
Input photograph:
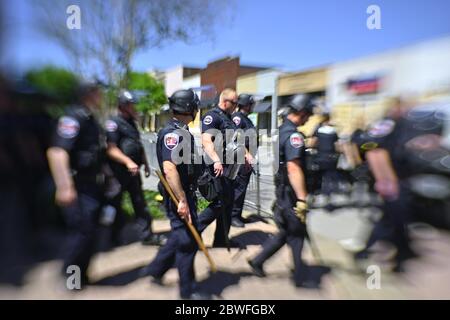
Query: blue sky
[{"x": 289, "y": 34}]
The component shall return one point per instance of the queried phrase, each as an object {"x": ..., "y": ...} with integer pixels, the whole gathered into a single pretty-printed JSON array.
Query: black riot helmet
[
  {"x": 184, "y": 102},
  {"x": 301, "y": 102},
  {"x": 126, "y": 97},
  {"x": 245, "y": 100}
]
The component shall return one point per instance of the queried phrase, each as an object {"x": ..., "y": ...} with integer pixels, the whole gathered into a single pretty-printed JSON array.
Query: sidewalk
[{"x": 116, "y": 272}]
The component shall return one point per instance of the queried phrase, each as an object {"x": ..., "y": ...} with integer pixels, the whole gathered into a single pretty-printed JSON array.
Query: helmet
[
  {"x": 86, "y": 87},
  {"x": 125, "y": 97},
  {"x": 301, "y": 102},
  {"x": 184, "y": 101},
  {"x": 245, "y": 99}
]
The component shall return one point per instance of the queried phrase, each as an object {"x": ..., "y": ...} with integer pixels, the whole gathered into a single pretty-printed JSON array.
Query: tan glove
[{"x": 301, "y": 209}]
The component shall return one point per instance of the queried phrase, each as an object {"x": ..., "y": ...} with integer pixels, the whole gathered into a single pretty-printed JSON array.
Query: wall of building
[
  {"x": 194, "y": 82},
  {"x": 411, "y": 72},
  {"x": 247, "y": 84},
  {"x": 260, "y": 83},
  {"x": 173, "y": 80},
  {"x": 222, "y": 74},
  {"x": 313, "y": 80}
]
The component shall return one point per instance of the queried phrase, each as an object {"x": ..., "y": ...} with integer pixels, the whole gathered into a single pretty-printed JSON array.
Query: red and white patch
[
  {"x": 381, "y": 128},
  {"x": 208, "y": 120},
  {"x": 68, "y": 127},
  {"x": 237, "y": 120},
  {"x": 171, "y": 140},
  {"x": 111, "y": 126},
  {"x": 296, "y": 140}
]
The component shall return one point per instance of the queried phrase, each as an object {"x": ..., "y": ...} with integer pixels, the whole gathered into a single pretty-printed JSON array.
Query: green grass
[
  {"x": 202, "y": 204},
  {"x": 155, "y": 207}
]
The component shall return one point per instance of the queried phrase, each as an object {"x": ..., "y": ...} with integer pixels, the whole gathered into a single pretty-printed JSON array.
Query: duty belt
[{"x": 98, "y": 179}]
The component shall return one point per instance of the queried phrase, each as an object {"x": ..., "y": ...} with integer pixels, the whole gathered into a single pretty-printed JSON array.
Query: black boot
[{"x": 257, "y": 269}]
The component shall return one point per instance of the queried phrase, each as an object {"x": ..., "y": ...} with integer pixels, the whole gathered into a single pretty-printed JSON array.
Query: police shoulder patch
[
  {"x": 171, "y": 140},
  {"x": 237, "y": 120},
  {"x": 296, "y": 140},
  {"x": 207, "y": 120},
  {"x": 68, "y": 127},
  {"x": 111, "y": 126},
  {"x": 381, "y": 128}
]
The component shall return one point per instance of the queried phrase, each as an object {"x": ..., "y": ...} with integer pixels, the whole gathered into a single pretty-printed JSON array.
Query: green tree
[
  {"x": 150, "y": 91},
  {"x": 56, "y": 82},
  {"x": 114, "y": 31}
]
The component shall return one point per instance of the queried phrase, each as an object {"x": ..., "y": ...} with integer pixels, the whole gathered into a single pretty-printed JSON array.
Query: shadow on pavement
[
  {"x": 314, "y": 276},
  {"x": 121, "y": 279},
  {"x": 317, "y": 272},
  {"x": 130, "y": 233},
  {"x": 253, "y": 237},
  {"x": 216, "y": 283},
  {"x": 253, "y": 218}
]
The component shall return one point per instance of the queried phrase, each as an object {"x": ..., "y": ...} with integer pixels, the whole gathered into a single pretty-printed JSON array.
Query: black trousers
[
  {"x": 291, "y": 231},
  {"x": 221, "y": 210},
  {"x": 133, "y": 185},
  {"x": 240, "y": 189},
  {"x": 392, "y": 226},
  {"x": 82, "y": 221},
  {"x": 179, "y": 250}
]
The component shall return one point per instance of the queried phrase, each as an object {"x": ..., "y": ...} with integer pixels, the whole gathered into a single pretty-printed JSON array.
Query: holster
[{"x": 208, "y": 186}]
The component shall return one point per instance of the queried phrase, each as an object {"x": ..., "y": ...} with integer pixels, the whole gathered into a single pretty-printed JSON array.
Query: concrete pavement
[{"x": 116, "y": 273}]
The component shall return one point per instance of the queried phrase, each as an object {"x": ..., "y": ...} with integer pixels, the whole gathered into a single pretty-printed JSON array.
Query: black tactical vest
[
  {"x": 88, "y": 154},
  {"x": 130, "y": 141}
]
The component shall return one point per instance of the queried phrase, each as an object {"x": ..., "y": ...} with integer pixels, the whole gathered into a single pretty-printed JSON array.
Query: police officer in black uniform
[
  {"x": 75, "y": 157},
  {"x": 391, "y": 146},
  {"x": 127, "y": 155},
  {"x": 240, "y": 118},
  {"x": 217, "y": 124},
  {"x": 325, "y": 138},
  {"x": 181, "y": 166},
  {"x": 291, "y": 193}
]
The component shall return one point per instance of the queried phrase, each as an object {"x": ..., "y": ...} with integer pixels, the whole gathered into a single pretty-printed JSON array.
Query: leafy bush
[
  {"x": 155, "y": 207},
  {"x": 202, "y": 204},
  {"x": 58, "y": 83}
]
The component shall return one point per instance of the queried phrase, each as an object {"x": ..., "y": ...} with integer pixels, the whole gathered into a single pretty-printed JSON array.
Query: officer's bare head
[
  {"x": 126, "y": 104},
  {"x": 228, "y": 100},
  {"x": 398, "y": 107},
  {"x": 90, "y": 95}
]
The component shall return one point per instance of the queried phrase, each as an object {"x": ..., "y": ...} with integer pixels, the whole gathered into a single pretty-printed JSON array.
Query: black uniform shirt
[
  {"x": 327, "y": 137},
  {"x": 79, "y": 133},
  {"x": 218, "y": 119},
  {"x": 125, "y": 135},
  {"x": 387, "y": 134},
  {"x": 173, "y": 141},
  {"x": 292, "y": 143},
  {"x": 243, "y": 122}
]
